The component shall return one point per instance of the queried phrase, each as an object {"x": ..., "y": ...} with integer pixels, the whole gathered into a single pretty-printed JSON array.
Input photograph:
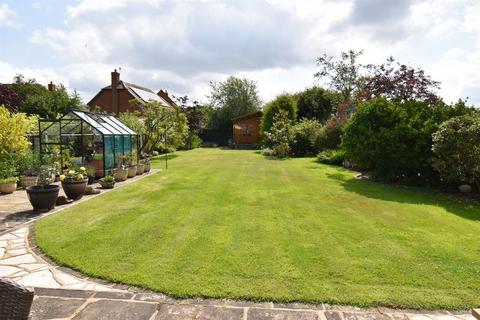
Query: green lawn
[{"x": 225, "y": 223}]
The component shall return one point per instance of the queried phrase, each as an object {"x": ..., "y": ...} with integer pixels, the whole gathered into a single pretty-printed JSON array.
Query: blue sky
[{"x": 183, "y": 45}]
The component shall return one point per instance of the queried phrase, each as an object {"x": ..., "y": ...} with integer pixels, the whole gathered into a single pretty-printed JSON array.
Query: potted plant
[
  {"x": 44, "y": 195},
  {"x": 140, "y": 168},
  {"x": 29, "y": 167},
  {"x": 107, "y": 182},
  {"x": 121, "y": 173},
  {"x": 146, "y": 164},
  {"x": 132, "y": 168},
  {"x": 8, "y": 170},
  {"x": 8, "y": 185},
  {"x": 74, "y": 183}
]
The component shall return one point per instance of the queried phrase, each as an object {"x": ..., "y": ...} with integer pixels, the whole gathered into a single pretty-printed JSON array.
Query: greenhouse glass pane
[
  {"x": 92, "y": 122},
  {"x": 118, "y": 149},
  {"x": 126, "y": 129},
  {"x": 109, "y": 153}
]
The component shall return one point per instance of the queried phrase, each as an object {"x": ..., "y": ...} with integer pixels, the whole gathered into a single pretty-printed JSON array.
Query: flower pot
[
  {"x": 146, "y": 168},
  {"x": 140, "y": 168},
  {"x": 132, "y": 171},
  {"x": 43, "y": 198},
  {"x": 28, "y": 181},
  {"x": 120, "y": 174},
  {"x": 74, "y": 189},
  {"x": 8, "y": 187},
  {"x": 106, "y": 185}
]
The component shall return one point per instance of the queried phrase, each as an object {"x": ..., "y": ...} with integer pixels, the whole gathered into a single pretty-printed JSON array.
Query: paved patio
[{"x": 77, "y": 304}]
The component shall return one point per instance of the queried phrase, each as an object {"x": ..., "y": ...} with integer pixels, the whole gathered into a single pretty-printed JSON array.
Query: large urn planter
[
  {"x": 120, "y": 174},
  {"x": 140, "y": 168},
  {"x": 28, "y": 181},
  {"x": 43, "y": 198},
  {"x": 8, "y": 187},
  {"x": 147, "y": 167},
  {"x": 132, "y": 171},
  {"x": 74, "y": 189}
]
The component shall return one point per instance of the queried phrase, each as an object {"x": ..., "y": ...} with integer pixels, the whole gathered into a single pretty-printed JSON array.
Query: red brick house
[
  {"x": 116, "y": 97},
  {"x": 246, "y": 128}
]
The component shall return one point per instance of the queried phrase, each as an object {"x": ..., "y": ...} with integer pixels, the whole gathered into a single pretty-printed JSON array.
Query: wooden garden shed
[{"x": 246, "y": 128}]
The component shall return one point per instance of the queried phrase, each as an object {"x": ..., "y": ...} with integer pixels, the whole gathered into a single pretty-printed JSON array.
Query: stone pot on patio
[
  {"x": 120, "y": 174},
  {"x": 43, "y": 198},
  {"x": 28, "y": 181},
  {"x": 140, "y": 168},
  {"x": 106, "y": 184},
  {"x": 132, "y": 171},
  {"x": 8, "y": 187},
  {"x": 74, "y": 189},
  {"x": 147, "y": 167}
]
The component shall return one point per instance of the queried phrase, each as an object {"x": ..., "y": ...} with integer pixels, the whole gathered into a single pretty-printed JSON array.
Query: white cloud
[
  {"x": 42, "y": 75},
  {"x": 183, "y": 45},
  {"x": 7, "y": 16}
]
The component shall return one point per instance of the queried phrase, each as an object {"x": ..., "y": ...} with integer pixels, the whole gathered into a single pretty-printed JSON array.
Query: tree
[
  {"x": 315, "y": 103},
  {"x": 281, "y": 135},
  {"x": 164, "y": 127},
  {"x": 10, "y": 99},
  {"x": 52, "y": 104},
  {"x": 229, "y": 99},
  {"x": 283, "y": 102},
  {"x": 456, "y": 148},
  {"x": 343, "y": 74},
  {"x": 133, "y": 121},
  {"x": 306, "y": 133},
  {"x": 398, "y": 82},
  {"x": 25, "y": 88}
]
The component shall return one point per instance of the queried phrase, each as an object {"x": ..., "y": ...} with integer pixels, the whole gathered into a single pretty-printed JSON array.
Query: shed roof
[{"x": 258, "y": 112}]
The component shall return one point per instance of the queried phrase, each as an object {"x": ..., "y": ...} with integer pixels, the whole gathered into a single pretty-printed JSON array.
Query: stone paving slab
[
  {"x": 19, "y": 263},
  {"x": 76, "y": 304}
]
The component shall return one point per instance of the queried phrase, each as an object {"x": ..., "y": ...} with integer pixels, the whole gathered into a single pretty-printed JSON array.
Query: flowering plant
[{"x": 74, "y": 175}]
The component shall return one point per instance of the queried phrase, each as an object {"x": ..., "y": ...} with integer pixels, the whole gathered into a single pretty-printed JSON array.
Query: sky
[{"x": 182, "y": 46}]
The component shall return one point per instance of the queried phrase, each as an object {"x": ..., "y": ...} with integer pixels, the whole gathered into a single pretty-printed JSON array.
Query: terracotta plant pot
[
  {"x": 8, "y": 187},
  {"x": 132, "y": 171},
  {"x": 106, "y": 185},
  {"x": 147, "y": 168},
  {"x": 74, "y": 189},
  {"x": 120, "y": 174},
  {"x": 43, "y": 198},
  {"x": 140, "y": 168},
  {"x": 28, "y": 181}
]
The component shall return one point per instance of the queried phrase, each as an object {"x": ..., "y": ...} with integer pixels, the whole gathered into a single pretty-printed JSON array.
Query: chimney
[
  {"x": 115, "y": 80},
  {"x": 51, "y": 87}
]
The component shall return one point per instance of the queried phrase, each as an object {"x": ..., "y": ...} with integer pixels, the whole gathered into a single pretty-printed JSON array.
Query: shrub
[
  {"x": 306, "y": 133},
  {"x": 281, "y": 135},
  {"x": 13, "y": 131},
  {"x": 394, "y": 139},
  {"x": 314, "y": 103},
  {"x": 333, "y": 157},
  {"x": 193, "y": 141},
  {"x": 456, "y": 148},
  {"x": 329, "y": 136},
  {"x": 283, "y": 102}
]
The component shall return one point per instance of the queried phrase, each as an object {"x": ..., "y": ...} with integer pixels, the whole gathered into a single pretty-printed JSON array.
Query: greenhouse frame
[{"x": 82, "y": 138}]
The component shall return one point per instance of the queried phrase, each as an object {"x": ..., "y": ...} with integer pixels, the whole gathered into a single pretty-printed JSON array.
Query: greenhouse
[{"x": 79, "y": 138}]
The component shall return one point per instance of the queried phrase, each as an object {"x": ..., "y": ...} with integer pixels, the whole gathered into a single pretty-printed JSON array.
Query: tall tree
[
  {"x": 341, "y": 74},
  {"x": 398, "y": 82},
  {"x": 10, "y": 99},
  {"x": 229, "y": 99}
]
